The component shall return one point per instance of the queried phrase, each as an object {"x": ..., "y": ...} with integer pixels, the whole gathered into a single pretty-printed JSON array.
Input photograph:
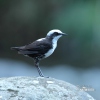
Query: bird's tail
[{"x": 15, "y": 48}]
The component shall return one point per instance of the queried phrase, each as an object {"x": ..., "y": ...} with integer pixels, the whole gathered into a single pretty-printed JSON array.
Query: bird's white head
[{"x": 55, "y": 34}]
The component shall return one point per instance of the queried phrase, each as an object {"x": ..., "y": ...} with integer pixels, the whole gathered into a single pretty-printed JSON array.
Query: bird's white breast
[{"x": 54, "y": 45}]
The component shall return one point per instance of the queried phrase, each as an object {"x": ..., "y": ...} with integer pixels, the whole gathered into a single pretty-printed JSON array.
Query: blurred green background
[{"x": 24, "y": 21}]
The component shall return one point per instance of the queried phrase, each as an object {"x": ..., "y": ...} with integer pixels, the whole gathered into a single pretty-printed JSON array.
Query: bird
[{"x": 41, "y": 48}]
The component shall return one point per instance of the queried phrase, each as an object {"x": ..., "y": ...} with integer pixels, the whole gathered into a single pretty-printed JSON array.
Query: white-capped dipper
[{"x": 41, "y": 48}]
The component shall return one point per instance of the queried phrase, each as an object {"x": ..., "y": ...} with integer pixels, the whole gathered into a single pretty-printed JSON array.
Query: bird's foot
[{"x": 44, "y": 76}]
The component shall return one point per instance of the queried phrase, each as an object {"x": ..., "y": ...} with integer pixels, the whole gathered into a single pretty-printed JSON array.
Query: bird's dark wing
[{"x": 34, "y": 49}]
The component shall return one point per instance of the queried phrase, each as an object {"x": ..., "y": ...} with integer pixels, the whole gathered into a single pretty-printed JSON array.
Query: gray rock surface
[{"x": 39, "y": 88}]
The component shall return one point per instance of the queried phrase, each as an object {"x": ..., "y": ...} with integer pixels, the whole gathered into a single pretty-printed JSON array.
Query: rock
[{"x": 39, "y": 88}]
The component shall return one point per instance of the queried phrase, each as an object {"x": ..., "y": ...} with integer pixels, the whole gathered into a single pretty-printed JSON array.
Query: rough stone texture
[{"x": 38, "y": 88}]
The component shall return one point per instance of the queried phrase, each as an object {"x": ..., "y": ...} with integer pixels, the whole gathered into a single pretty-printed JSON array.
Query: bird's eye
[{"x": 56, "y": 33}]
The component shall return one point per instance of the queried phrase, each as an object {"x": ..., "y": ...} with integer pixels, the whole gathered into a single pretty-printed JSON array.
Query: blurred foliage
[{"x": 23, "y": 21}]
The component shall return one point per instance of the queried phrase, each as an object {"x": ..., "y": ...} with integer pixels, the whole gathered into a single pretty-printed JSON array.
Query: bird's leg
[{"x": 36, "y": 61}]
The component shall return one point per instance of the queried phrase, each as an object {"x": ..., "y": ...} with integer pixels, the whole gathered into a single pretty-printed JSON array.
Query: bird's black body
[
  {"x": 36, "y": 49},
  {"x": 41, "y": 48}
]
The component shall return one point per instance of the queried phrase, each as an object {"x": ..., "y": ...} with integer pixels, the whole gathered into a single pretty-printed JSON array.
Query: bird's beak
[{"x": 64, "y": 34}]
